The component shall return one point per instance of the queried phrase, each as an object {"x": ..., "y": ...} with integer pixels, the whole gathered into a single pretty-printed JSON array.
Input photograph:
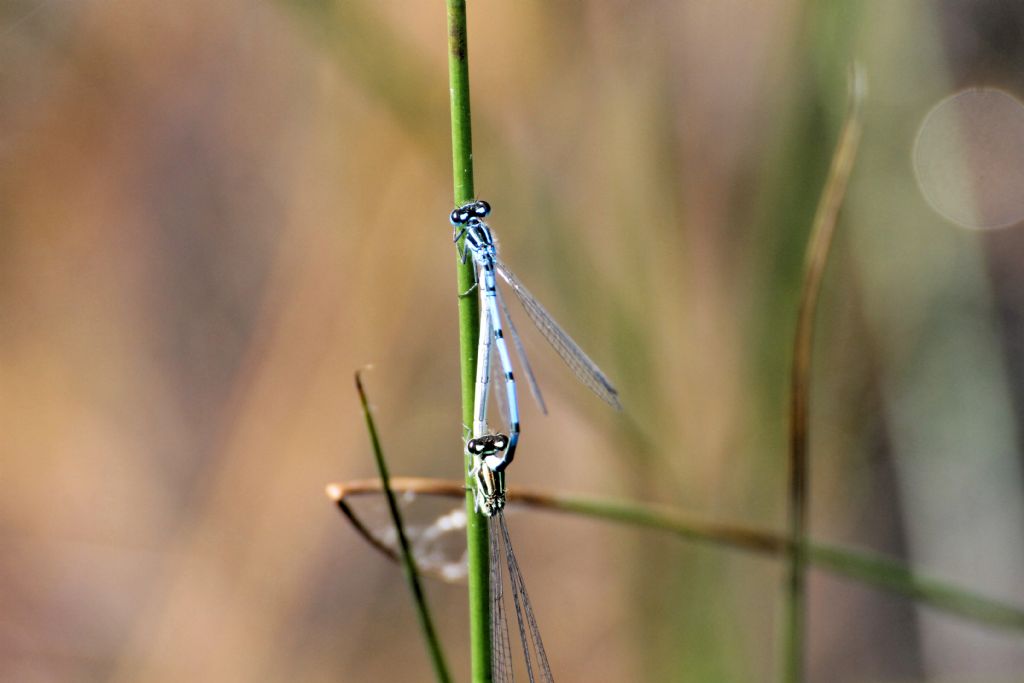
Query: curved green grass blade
[{"x": 408, "y": 562}]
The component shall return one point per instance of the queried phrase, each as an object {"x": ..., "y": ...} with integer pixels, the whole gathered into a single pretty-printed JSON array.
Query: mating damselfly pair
[{"x": 492, "y": 452}]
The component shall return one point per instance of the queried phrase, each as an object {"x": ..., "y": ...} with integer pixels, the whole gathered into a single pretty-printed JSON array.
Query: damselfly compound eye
[
  {"x": 481, "y": 208},
  {"x": 499, "y": 442},
  {"x": 453, "y": 217}
]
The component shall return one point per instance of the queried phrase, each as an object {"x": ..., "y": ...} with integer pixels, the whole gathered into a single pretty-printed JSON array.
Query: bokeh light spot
[{"x": 969, "y": 158}]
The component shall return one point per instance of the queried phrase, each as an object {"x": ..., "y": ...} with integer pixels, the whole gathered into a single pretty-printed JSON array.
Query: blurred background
[{"x": 213, "y": 213}]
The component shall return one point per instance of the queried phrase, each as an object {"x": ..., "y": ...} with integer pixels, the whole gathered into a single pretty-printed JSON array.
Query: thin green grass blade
[
  {"x": 867, "y": 568},
  {"x": 408, "y": 562},
  {"x": 896, "y": 577}
]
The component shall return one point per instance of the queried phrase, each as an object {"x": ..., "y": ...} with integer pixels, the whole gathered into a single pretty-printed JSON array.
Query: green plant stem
[
  {"x": 868, "y": 568},
  {"x": 469, "y": 323},
  {"x": 815, "y": 260},
  {"x": 408, "y": 562}
]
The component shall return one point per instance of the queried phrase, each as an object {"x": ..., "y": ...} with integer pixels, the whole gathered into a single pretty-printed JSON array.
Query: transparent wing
[
  {"x": 586, "y": 370},
  {"x": 524, "y": 610},
  {"x": 436, "y": 532},
  {"x": 501, "y": 644},
  {"x": 521, "y": 352}
]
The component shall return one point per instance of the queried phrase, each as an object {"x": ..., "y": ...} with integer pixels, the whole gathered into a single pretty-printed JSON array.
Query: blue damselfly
[{"x": 479, "y": 244}]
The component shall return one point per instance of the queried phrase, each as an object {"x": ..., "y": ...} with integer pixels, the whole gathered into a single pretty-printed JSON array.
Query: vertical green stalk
[
  {"x": 815, "y": 260},
  {"x": 408, "y": 563},
  {"x": 469, "y": 323}
]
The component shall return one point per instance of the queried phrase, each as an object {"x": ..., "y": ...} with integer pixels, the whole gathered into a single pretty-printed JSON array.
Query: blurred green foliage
[{"x": 213, "y": 213}]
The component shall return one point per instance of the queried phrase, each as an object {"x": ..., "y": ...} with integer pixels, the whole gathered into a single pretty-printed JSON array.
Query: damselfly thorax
[{"x": 489, "y": 483}]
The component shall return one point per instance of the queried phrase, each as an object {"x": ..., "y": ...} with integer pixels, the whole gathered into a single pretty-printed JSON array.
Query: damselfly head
[
  {"x": 487, "y": 445},
  {"x": 470, "y": 213}
]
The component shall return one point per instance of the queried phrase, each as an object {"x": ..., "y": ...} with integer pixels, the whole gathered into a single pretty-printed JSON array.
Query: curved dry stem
[
  {"x": 815, "y": 260},
  {"x": 874, "y": 570}
]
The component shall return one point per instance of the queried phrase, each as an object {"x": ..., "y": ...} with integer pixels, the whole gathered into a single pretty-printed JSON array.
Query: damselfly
[
  {"x": 492, "y": 452},
  {"x": 479, "y": 244},
  {"x": 489, "y": 495},
  {"x": 488, "y": 451}
]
